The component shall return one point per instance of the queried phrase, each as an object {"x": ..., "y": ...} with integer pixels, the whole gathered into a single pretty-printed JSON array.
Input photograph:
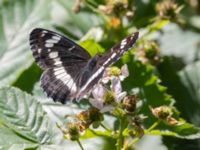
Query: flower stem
[
  {"x": 153, "y": 126},
  {"x": 79, "y": 143},
  {"x": 133, "y": 142},
  {"x": 120, "y": 141},
  {"x": 105, "y": 127}
]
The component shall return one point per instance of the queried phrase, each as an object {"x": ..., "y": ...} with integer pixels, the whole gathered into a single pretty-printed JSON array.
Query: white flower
[
  {"x": 112, "y": 72},
  {"x": 102, "y": 96}
]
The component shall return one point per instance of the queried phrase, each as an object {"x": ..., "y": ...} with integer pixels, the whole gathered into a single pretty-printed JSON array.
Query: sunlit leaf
[
  {"x": 17, "y": 19},
  {"x": 22, "y": 120},
  {"x": 92, "y": 47}
]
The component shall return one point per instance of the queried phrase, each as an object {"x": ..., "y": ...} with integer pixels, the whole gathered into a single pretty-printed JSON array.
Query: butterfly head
[{"x": 93, "y": 62}]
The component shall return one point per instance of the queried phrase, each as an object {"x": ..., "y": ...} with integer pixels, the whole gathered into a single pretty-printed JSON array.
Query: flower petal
[
  {"x": 107, "y": 108},
  {"x": 96, "y": 103},
  {"x": 98, "y": 92},
  {"x": 124, "y": 72},
  {"x": 116, "y": 85},
  {"x": 105, "y": 80},
  {"x": 120, "y": 96}
]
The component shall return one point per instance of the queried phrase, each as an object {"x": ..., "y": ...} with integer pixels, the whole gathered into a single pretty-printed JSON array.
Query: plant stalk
[
  {"x": 120, "y": 141},
  {"x": 79, "y": 143}
]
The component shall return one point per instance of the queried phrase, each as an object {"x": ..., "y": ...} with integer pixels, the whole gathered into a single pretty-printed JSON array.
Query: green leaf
[
  {"x": 142, "y": 77},
  {"x": 184, "y": 100},
  {"x": 17, "y": 18},
  {"x": 190, "y": 79},
  {"x": 22, "y": 120},
  {"x": 179, "y": 42},
  {"x": 92, "y": 47},
  {"x": 184, "y": 131},
  {"x": 76, "y": 24}
]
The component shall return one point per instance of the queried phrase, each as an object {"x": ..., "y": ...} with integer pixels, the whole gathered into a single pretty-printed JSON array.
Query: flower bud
[
  {"x": 168, "y": 9},
  {"x": 164, "y": 113},
  {"x": 88, "y": 117},
  {"x": 136, "y": 128},
  {"x": 71, "y": 131},
  {"x": 118, "y": 112},
  {"x": 113, "y": 71},
  {"x": 129, "y": 103},
  {"x": 161, "y": 112}
]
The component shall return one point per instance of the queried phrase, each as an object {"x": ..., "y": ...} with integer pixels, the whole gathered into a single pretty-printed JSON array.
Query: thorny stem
[{"x": 79, "y": 143}]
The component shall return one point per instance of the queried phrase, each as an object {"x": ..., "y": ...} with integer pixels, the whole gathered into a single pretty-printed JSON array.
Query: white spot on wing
[
  {"x": 39, "y": 50},
  {"x": 123, "y": 43},
  {"x": 51, "y": 41},
  {"x": 49, "y": 44},
  {"x": 56, "y": 37},
  {"x": 122, "y": 46},
  {"x": 131, "y": 37},
  {"x": 57, "y": 61},
  {"x": 53, "y": 54},
  {"x": 71, "y": 48},
  {"x": 43, "y": 33},
  {"x": 113, "y": 55}
]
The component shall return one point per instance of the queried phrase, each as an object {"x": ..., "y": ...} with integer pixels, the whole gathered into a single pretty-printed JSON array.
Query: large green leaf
[
  {"x": 75, "y": 24},
  {"x": 181, "y": 91},
  {"x": 178, "y": 42},
  {"x": 17, "y": 18},
  {"x": 190, "y": 79},
  {"x": 22, "y": 120},
  {"x": 184, "y": 88}
]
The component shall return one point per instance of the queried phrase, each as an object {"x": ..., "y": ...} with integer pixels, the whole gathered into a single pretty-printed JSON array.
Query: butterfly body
[{"x": 69, "y": 71}]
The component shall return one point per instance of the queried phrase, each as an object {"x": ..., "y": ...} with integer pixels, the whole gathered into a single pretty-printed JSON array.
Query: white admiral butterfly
[{"x": 69, "y": 70}]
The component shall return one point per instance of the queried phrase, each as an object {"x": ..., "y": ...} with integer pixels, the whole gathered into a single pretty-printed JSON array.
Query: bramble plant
[{"x": 152, "y": 91}]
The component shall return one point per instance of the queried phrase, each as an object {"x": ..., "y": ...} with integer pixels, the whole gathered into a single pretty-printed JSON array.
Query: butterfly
[{"x": 69, "y": 70}]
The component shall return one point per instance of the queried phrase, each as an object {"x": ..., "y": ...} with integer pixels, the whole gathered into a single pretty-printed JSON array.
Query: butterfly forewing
[
  {"x": 107, "y": 59},
  {"x": 51, "y": 49},
  {"x": 62, "y": 60},
  {"x": 118, "y": 50},
  {"x": 70, "y": 72}
]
